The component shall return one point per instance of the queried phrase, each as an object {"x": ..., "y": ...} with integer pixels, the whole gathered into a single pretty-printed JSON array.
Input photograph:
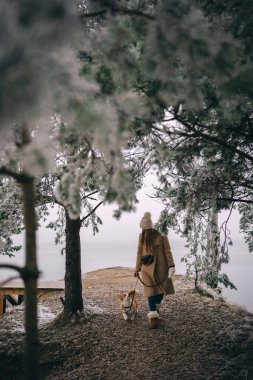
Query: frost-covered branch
[
  {"x": 32, "y": 69},
  {"x": 227, "y": 240}
]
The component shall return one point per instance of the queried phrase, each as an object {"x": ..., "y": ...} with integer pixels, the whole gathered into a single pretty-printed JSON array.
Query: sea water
[{"x": 98, "y": 254}]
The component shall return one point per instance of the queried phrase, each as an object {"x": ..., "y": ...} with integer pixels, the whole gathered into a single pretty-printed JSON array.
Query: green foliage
[
  {"x": 105, "y": 79},
  {"x": 166, "y": 220},
  {"x": 246, "y": 223},
  {"x": 11, "y": 218},
  {"x": 122, "y": 190},
  {"x": 199, "y": 268},
  {"x": 94, "y": 221},
  {"x": 37, "y": 39},
  {"x": 58, "y": 226}
]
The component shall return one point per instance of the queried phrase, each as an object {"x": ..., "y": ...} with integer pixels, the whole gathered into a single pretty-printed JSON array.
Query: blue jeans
[{"x": 154, "y": 300}]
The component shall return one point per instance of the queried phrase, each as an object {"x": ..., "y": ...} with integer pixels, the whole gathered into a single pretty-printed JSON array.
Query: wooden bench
[{"x": 8, "y": 291}]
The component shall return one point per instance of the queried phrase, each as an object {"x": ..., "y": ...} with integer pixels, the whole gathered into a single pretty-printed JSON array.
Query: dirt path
[{"x": 198, "y": 338}]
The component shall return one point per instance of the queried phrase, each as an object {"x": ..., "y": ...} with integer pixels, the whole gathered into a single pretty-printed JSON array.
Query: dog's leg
[{"x": 125, "y": 316}]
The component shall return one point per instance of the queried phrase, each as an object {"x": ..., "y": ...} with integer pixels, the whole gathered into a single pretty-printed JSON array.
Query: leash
[{"x": 150, "y": 286}]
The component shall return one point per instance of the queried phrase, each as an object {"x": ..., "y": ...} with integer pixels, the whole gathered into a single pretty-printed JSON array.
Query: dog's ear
[
  {"x": 131, "y": 292},
  {"x": 121, "y": 296}
]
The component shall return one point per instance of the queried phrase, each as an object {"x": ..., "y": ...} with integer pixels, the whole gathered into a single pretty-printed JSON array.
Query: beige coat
[{"x": 157, "y": 272}]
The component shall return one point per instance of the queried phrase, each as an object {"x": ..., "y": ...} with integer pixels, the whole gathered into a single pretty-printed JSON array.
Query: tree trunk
[
  {"x": 213, "y": 239},
  {"x": 213, "y": 242},
  {"x": 73, "y": 282},
  {"x": 31, "y": 357}
]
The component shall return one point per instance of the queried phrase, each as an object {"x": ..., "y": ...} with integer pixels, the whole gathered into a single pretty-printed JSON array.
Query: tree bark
[
  {"x": 29, "y": 273},
  {"x": 31, "y": 357},
  {"x": 213, "y": 242},
  {"x": 73, "y": 282},
  {"x": 213, "y": 238}
]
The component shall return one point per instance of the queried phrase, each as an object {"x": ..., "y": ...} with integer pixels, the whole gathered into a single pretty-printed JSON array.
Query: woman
[{"x": 156, "y": 275}]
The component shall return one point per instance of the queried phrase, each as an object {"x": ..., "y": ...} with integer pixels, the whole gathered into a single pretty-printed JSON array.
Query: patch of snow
[
  {"x": 94, "y": 310},
  {"x": 212, "y": 292},
  {"x": 45, "y": 315},
  {"x": 14, "y": 319}
]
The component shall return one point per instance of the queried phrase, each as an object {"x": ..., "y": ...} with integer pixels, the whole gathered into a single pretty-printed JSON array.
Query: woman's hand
[
  {"x": 171, "y": 271},
  {"x": 136, "y": 274}
]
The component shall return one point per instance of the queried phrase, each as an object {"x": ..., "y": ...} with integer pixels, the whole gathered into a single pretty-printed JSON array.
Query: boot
[
  {"x": 158, "y": 305},
  {"x": 153, "y": 317}
]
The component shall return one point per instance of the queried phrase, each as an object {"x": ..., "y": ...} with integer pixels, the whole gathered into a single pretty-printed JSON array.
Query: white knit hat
[{"x": 146, "y": 222}]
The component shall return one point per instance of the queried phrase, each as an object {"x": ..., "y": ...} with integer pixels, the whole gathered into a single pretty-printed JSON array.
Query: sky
[
  {"x": 128, "y": 225},
  {"x": 127, "y": 229}
]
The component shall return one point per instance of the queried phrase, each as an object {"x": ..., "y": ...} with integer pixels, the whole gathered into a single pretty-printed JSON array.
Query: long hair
[{"x": 148, "y": 237}]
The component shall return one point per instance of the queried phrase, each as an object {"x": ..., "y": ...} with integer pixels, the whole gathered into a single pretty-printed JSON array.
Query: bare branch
[
  {"x": 226, "y": 231},
  {"x": 119, "y": 10},
  {"x": 89, "y": 195},
  {"x": 48, "y": 199},
  {"x": 101, "y": 12},
  {"x": 90, "y": 213},
  {"x": 8, "y": 280},
  {"x": 14, "y": 267},
  {"x": 241, "y": 200},
  {"x": 198, "y": 133},
  {"x": 19, "y": 177},
  {"x": 23, "y": 271}
]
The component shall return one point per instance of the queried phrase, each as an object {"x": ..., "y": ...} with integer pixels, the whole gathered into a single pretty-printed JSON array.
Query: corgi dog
[{"x": 128, "y": 305}]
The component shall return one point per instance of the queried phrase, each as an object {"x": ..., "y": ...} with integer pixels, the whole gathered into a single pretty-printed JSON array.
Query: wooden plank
[
  {"x": 20, "y": 299},
  {"x": 11, "y": 300},
  {"x": 41, "y": 285},
  {"x": 16, "y": 289},
  {"x": 1, "y": 304},
  {"x": 12, "y": 291},
  {"x": 21, "y": 291},
  {"x": 49, "y": 290}
]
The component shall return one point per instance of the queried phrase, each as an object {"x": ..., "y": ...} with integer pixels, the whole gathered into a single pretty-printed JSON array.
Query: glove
[{"x": 171, "y": 271}]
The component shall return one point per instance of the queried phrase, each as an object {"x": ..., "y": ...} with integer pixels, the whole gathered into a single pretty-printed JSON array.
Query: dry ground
[{"x": 198, "y": 338}]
